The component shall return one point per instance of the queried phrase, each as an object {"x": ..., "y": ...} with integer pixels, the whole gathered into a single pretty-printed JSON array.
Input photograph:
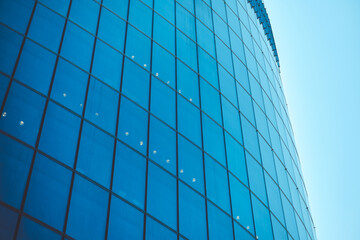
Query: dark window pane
[
  {"x": 16, "y": 13},
  {"x": 8, "y": 219},
  {"x": 60, "y": 7},
  {"x": 9, "y": 47},
  {"x": 4, "y": 81},
  {"x": 30, "y": 230}
]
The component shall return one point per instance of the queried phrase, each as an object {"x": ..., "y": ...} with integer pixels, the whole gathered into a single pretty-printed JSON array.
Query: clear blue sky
[{"x": 319, "y": 49}]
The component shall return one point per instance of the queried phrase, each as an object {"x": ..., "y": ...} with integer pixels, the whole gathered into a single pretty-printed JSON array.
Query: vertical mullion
[{"x": 81, "y": 123}]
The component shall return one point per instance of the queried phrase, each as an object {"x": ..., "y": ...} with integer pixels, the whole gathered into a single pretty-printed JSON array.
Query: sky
[{"x": 319, "y": 49}]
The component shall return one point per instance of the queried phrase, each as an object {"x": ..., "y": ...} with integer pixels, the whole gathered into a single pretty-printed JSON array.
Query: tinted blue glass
[
  {"x": 59, "y": 7},
  {"x": 236, "y": 158},
  {"x": 245, "y": 104},
  {"x": 205, "y": 38},
  {"x": 23, "y": 110},
  {"x": 163, "y": 102},
  {"x": 95, "y": 154},
  {"x": 219, "y": 8},
  {"x": 231, "y": 119},
  {"x": 162, "y": 147},
  {"x": 9, "y": 47},
  {"x": 256, "y": 178},
  {"x": 189, "y": 123},
  {"x": 129, "y": 175},
  {"x": 119, "y": 7},
  {"x": 185, "y": 21},
  {"x": 112, "y": 29},
  {"x": 188, "y": 4},
  {"x": 8, "y": 221},
  {"x": 4, "y": 81},
  {"x": 45, "y": 20},
  {"x": 85, "y": 13},
  {"x": 289, "y": 217},
  {"x": 213, "y": 139},
  {"x": 48, "y": 192},
  {"x": 107, "y": 64},
  {"x": 274, "y": 198},
  {"x": 237, "y": 46},
  {"x": 208, "y": 68},
  {"x": 132, "y": 128},
  {"x": 29, "y": 230},
  {"x": 156, "y": 231},
  {"x": 227, "y": 85},
  {"x": 88, "y": 210},
  {"x": 241, "y": 73},
  {"x": 16, "y": 13},
  {"x": 164, "y": 33},
  {"x": 36, "y": 67},
  {"x": 278, "y": 229},
  {"x": 241, "y": 233},
  {"x": 262, "y": 220},
  {"x": 192, "y": 213},
  {"x": 223, "y": 54},
  {"x": 203, "y": 12},
  {"x": 14, "y": 166},
  {"x": 161, "y": 195},
  {"x": 190, "y": 164},
  {"x": 186, "y": 50},
  {"x": 220, "y": 225},
  {"x": 165, "y": 8},
  {"x": 69, "y": 86},
  {"x": 163, "y": 65},
  {"x": 220, "y": 28},
  {"x": 217, "y": 184},
  {"x": 136, "y": 83},
  {"x": 140, "y": 16},
  {"x": 125, "y": 222},
  {"x": 77, "y": 46},
  {"x": 241, "y": 204},
  {"x": 61, "y": 128},
  {"x": 251, "y": 142},
  {"x": 187, "y": 83},
  {"x": 210, "y": 101},
  {"x": 102, "y": 105}
]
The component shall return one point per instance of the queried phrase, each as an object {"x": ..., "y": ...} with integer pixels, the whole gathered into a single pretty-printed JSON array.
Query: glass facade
[{"x": 145, "y": 119}]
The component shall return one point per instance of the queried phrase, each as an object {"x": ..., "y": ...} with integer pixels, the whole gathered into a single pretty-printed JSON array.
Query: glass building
[{"x": 145, "y": 119}]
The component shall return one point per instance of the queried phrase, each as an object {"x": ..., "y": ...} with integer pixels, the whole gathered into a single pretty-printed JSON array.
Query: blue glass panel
[
  {"x": 203, "y": 12},
  {"x": 227, "y": 85},
  {"x": 164, "y": 33},
  {"x": 241, "y": 73},
  {"x": 231, "y": 119},
  {"x": 220, "y": 225},
  {"x": 163, "y": 102},
  {"x": 22, "y": 113},
  {"x": 190, "y": 164},
  {"x": 119, "y": 7},
  {"x": 187, "y": 83},
  {"x": 219, "y": 8},
  {"x": 217, "y": 184},
  {"x": 112, "y": 29},
  {"x": 161, "y": 196},
  {"x": 16, "y": 13},
  {"x": 140, "y": 16},
  {"x": 45, "y": 20},
  {"x": 107, "y": 64},
  {"x": 189, "y": 123},
  {"x": 185, "y": 21},
  {"x": 186, "y": 50},
  {"x": 210, "y": 101},
  {"x": 279, "y": 231},
  {"x": 69, "y": 86},
  {"x": 256, "y": 178},
  {"x": 205, "y": 38},
  {"x": 221, "y": 28},
  {"x": 61, "y": 128},
  {"x": 267, "y": 158},
  {"x": 36, "y": 67},
  {"x": 9, "y": 47},
  {"x": 60, "y": 7},
  {"x": 163, "y": 65},
  {"x": 251, "y": 142},
  {"x": 48, "y": 192},
  {"x": 125, "y": 222},
  {"x": 273, "y": 193},
  {"x": 245, "y": 104},
  {"x": 4, "y": 81},
  {"x": 208, "y": 68},
  {"x": 162, "y": 147},
  {"x": 85, "y": 13},
  {"x": 236, "y": 158},
  {"x": 241, "y": 204},
  {"x": 156, "y": 231},
  {"x": 136, "y": 83},
  {"x": 77, "y": 46},
  {"x": 188, "y": 4},
  {"x": 129, "y": 175},
  {"x": 102, "y": 105},
  {"x": 165, "y": 8},
  {"x": 237, "y": 47},
  {"x": 88, "y": 210},
  {"x": 241, "y": 233},
  {"x": 213, "y": 139},
  {"x": 95, "y": 154},
  {"x": 14, "y": 166},
  {"x": 132, "y": 128},
  {"x": 262, "y": 220},
  {"x": 8, "y": 219},
  {"x": 192, "y": 213},
  {"x": 29, "y": 230},
  {"x": 223, "y": 54}
]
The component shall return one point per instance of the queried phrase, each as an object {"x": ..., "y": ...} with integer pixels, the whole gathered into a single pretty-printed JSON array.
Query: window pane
[
  {"x": 95, "y": 154},
  {"x": 251, "y": 142},
  {"x": 48, "y": 192},
  {"x": 85, "y": 13},
  {"x": 9, "y": 47},
  {"x": 161, "y": 202},
  {"x": 187, "y": 83},
  {"x": 273, "y": 193},
  {"x": 23, "y": 110},
  {"x": 208, "y": 68},
  {"x": 262, "y": 220},
  {"x": 163, "y": 65},
  {"x": 140, "y": 16},
  {"x": 220, "y": 225},
  {"x": 186, "y": 50},
  {"x": 16, "y": 13},
  {"x": 210, "y": 101},
  {"x": 166, "y": 9},
  {"x": 185, "y": 21},
  {"x": 29, "y": 230},
  {"x": 129, "y": 175},
  {"x": 162, "y": 145},
  {"x": 118, "y": 6},
  {"x": 88, "y": 211},
  {"x": 36, "y": 67},
  {"x": 164, "y": 33},
  {"x": 227, "y": 85},
  {"x": 59, "y": 135},
  {"x": 156, "y": 231},
  {"x": 256, "y": 178},
  {"x": 4, "y": 81},
  {"x": 125, "y": 222},
  {"x": 205, "y": 38},
  {"x": 59, "y": 7},
  {"x": 14, "y": 167},
  {"x": 241, "y": 233},
  {"x": 231, "y": 119},
  {"x": 8, "y": 219},
  {"x": 245, "y": 104},
  {"x": 213, "y": 139}
]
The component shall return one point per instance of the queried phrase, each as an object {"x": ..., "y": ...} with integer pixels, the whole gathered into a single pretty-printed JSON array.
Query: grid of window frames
[{"x": 144, "y": 119}]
